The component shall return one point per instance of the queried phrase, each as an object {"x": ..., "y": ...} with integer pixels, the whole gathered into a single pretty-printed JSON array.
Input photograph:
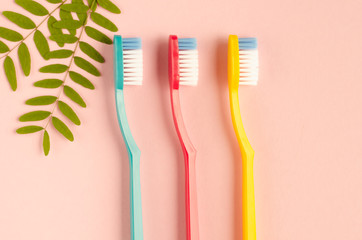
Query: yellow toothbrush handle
[
  {"x": 247, "y": 154},
  {"x": 248, "y": 204}
]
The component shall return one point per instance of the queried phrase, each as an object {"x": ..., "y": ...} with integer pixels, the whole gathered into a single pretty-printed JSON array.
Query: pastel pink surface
[{"x": 303, "y": 120}]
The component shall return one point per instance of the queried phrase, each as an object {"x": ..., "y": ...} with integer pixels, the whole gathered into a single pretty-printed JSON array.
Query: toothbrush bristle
[
  {"x": 132, "y": 61},
  {"x": 248, "y": 61},
  {"x": 188, "y": 61}
]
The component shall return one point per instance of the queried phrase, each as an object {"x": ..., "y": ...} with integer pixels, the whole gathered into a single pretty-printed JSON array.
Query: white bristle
[
  {"x": 133, "y": 66},
  {"x": 189, "y": 67},
  {"x": 249, "y": 67}
]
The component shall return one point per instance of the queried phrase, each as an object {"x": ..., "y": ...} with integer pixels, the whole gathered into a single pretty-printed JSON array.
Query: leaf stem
[
  {"x": 68, "y": 69},
  {"x": 36, "y": 28}
]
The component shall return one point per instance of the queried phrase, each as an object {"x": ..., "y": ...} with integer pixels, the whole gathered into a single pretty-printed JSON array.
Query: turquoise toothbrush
[{"x": 128, "y": 70}]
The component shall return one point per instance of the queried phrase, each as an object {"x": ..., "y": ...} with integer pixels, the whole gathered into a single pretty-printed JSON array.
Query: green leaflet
[
  {"x": 65, "y": 38},
  {"x": 86, "y": 66},
  {"x": 62, "y": 128},
  {"x": 41, "y": 44},
  {"x": 10, "y": 35},
  {"x": 46, "y": 143},
  {"x": 92, "y": 4},
  {"x": 54, "y": 1},
  {"x": 65, "y": 15},
  {"x": 108, "y": 5},
  {"x": 24, "y": 58},
  {"x": 3, "y": 47},
  {"x": 62, "y": 53},
  {"x": 10, "y": 72},
  {"x": 81, "y": 16},
  {"x": 74, "y": 7},
  {"x": 29, "y": 129},
  {"x": 54, "y": 68},
  {"x": 33, "y": 7},
  {"x": 97, "y": 35},
  {"x": 74, "y": 96},
  {"x": 103, "y": 22},
  {"x": 53, "y": 30},
  {"x": 68, "y": 24},
  {"x": 42, "y": 100},
  {"x": 34, "y": 116},
  {"x": 91, "y": 52},
  {"x": 49, "y": 83},
  {"x": 77, "y": 78},
  {"x": 68, "y": 112},
  {"x": 19, "y": 19}
]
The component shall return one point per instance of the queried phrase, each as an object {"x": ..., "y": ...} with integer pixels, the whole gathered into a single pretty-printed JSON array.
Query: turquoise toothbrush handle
[
  {"x": 134, "y": 155},
  {"x": 136, "y": 202}
]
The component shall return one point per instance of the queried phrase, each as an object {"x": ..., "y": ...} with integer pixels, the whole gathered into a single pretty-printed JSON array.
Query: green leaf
[
  {"x": 77, "y": 78},
  {"x": 65, "y": 38},
  {"x": 54, "y": 1},
  {"x": 97, "y": 35},
  {"x": 24, "y": 58},
  {"x": 42, "y": 100},
  {"x": 65, "y": 15},
  {"x": 34, "y": 116},
  {"x": 86, "y": 66},
  {"x": 91, "y": 52},
  {"x": 46, "y": 143},
  {"x": 103, "y": 22},
  {"x": 92, "y": 4},
  {"x": 73, "y": 95},
  {"x": 62, "y": 53},
  {"x": 68, "y": 112},
  {"x": 54, "y": 68},
  {"x": 10, "y": 72},
  {"x": 3, "y": 47},
  {"x": 33, "y": 7},
  {"x": 53, "y": 30},
  {"x": 74, "y": 7},
  {"x": 29, "y": 129},
  {"x": 78, "y": 2},
  {"x": 62, "y": 128},
  {"x": 10, "y": 35},
  {"x": 68, "y": 24},
  {"x": 108, "y": 5},
  {"x": 81, "y": 16},
  {"x": 19, "y": 19},
  {"x": 49, "y": 83},
  {"x": 41, "y": 44}
]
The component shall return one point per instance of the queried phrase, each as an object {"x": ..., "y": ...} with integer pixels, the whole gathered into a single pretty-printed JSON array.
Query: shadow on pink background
[{"x": 303, "y": 120}]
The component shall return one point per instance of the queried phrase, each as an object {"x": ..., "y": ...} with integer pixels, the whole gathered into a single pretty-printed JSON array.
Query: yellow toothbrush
[{"x": 243, "y": 70}]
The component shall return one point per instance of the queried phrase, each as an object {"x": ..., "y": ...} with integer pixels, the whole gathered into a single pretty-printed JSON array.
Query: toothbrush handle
[
  {"x": 189, "y": 152},
  {"x": 134, "y": 155},
  {"x": 248, "y": 198},
  {"x": 192, "y": 217},
  {"x": 135, "y": 201},
  {"x": 247, "y": 154}
]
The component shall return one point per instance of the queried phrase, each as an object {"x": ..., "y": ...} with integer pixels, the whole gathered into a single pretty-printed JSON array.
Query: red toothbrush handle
[
  {"x": 192, "y": 217},
  {"x": 189, "y": 152}
]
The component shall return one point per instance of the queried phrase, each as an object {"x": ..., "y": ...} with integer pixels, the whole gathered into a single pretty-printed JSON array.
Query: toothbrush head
[
  {"x": 183, "y": 61},
  {"x": 128, "y": 61},
  {"x": 243, "y": 63}
]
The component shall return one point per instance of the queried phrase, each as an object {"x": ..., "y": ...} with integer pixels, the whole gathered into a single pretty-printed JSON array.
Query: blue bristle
[
  {"x": 248, "y": 43},
  {"x": 187, "y": 43},
  {"x": 132, "y": 43}
]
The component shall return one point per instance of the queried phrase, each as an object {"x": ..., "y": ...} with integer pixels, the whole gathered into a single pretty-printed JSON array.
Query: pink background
[{"x": 303, "y": 120}]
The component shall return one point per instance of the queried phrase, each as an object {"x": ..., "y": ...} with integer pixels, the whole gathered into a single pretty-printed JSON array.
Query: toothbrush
[
  {"x": 128, "y": 70},
  {"x": 243, "y": 69},
  {"x": 183, "y": 70}
]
